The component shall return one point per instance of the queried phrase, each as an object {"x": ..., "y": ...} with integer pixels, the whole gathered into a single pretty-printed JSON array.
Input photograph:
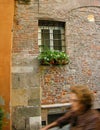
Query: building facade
[
  {"x": 6, "y": 34},
  {"x": 75, "y": 26}
]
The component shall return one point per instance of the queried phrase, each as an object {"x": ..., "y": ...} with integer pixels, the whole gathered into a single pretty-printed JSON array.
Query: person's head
[{"x": 81, "y": 97}]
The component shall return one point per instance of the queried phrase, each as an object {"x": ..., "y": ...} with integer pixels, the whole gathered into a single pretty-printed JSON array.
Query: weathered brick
[{"x": 82, "y": 45}]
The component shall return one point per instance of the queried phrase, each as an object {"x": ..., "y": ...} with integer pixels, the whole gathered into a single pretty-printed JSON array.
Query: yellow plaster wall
[{"x": 6, "y": 23}]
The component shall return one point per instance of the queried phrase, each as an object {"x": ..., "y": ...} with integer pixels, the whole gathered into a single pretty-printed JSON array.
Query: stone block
[
  {"x": 21, "y": 116},
  {"x": 35, "y": 123}
]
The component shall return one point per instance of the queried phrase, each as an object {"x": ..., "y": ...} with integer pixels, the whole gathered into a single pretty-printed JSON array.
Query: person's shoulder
[
  {"x": 94, "y": 114},
  {"x": 91, "y": 116}
]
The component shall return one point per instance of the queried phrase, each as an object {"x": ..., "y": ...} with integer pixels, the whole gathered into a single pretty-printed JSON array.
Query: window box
[{"x": 51, "y": 57}]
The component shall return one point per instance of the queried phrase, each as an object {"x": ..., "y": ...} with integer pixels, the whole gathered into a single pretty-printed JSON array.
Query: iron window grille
[{"x": 51, "y": 35}]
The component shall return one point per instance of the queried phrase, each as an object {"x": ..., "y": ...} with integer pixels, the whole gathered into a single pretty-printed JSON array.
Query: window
[{"x": 51, "y": 35}]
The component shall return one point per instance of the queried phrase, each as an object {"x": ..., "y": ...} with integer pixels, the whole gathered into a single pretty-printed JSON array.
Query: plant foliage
[
  {"x": 50, "y": 57},
  {"x": 1, "y": 118}
]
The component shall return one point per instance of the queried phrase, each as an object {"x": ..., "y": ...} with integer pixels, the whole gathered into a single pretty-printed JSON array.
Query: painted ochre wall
[{"x": 6, "y": 23}]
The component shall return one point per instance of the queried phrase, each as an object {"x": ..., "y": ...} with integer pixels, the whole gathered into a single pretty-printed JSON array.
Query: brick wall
[
  {"x": 25, "y": 76},
  {"x": 29, "y": 78},
  {"x": 82, "y": 39}
]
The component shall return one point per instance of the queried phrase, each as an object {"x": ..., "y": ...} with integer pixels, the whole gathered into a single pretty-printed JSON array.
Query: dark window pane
[
  {"x": 45, "y": 38},
  {"x": 54, "y": 117},
  {"x": 57, "y": 39}
]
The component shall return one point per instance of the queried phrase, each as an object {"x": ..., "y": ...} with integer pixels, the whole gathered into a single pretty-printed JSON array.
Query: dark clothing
[{"x": 89, "y": 120}]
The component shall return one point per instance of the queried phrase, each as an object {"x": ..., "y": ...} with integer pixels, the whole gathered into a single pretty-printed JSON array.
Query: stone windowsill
[{"x": 56, "y": 105}]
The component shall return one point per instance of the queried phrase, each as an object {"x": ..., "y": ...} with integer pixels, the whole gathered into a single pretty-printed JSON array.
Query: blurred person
[{"x": 81, "y": 116}]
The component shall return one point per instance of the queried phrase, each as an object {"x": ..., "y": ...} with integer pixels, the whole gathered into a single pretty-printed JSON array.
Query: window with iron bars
[{"x": 51, "y": 35}]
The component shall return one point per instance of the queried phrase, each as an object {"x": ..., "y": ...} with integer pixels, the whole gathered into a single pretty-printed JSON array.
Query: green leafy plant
[
  {"x": 3, "y": 114},
  {"x": 50, "y": 57},
  {"x": 1, "y": 118}
]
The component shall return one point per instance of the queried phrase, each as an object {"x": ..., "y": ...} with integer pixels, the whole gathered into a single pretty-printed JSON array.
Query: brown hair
[{"x": 84, "y": 94}]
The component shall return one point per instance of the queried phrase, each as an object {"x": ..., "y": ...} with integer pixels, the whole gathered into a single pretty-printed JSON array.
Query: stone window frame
[{"x": 51, "y": 26}]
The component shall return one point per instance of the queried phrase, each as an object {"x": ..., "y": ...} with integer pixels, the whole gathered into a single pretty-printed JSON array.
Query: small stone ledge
[{"x": 56, "y": 105}]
